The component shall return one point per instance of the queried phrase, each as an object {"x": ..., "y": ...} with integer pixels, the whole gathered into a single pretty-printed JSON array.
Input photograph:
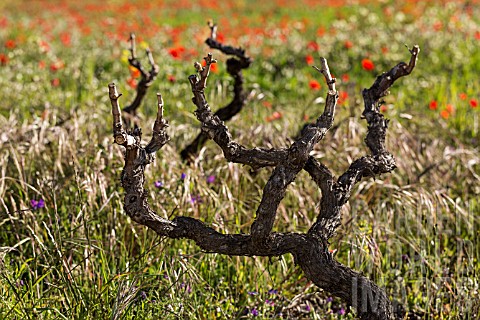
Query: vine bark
[
  {"x": 310, "y": 250},
  {"x": 146, "y": 80},
  {"x": 235, "y": 65}
]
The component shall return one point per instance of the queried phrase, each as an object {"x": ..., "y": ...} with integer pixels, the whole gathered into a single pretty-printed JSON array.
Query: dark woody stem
[
  {"x": 235, "y": 65},
  {"x": 309, "y": 250},
  {"x": 146, "y": 80}
]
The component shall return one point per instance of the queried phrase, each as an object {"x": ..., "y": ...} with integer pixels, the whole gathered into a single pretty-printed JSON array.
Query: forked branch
[
  {"x": 380, "y": 161},
  {"x": 146, "y": 80},
  {"x": 215, "y": 129},
  {"x": 310, "y": 250},
  {"x": 235, "y": 65}
]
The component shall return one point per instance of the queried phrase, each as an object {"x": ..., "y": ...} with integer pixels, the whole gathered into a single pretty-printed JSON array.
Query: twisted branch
[
  {"x": 147, "y": 78},
  {"x": 310, "y": 250},
  {"x": 235, "y": 65},
  {"x": 380, "y": 161}
]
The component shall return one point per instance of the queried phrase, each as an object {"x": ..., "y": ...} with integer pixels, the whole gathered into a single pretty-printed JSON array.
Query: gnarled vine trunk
[{"x": 310, "y": 249}]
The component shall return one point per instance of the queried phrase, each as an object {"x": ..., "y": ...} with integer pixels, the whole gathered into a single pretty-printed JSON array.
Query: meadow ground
[{"x": 67, "y": 250}]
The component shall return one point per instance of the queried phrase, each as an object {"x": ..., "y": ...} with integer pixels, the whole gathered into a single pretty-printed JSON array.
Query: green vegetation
[{"x": 77, "y": 256}]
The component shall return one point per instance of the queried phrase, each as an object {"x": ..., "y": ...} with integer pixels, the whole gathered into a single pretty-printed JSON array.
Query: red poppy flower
[
  {"x": 177, "y": 52},
  {"x": 220, "y": 37},
  {"x": 55, "y": 82},
  {"x": 66, "y": 39},
  {"x": 213, "y": 66},
  {"x": 314, "y": 85},
  {"x": 57, "y": 66},
  {"x": 3, "y": 22},
  {"x": 171, "y": 78},
  {"x": 445, "y": 114},
  {"x": 342, "y": 97},
  {"x": 132, "y": 83},
  {"x": 312, "y": 45},
  {"x": 275, "y": 116},
  {"x": 3, "y": 59},
  {"x": 345, "y": 77},
  {"x": 463, "y": 96},
  {"x": 433, "y": 105},
  {"x": 10, "y": 44},
  {"x": 473, "y": 103},
  {"x": 309, "y": 59},
  {"x": 134, "y": 72},
  {"x": 174, "y": 53},
  {"x": 348, "y": 44},
  {"x": 367, "y": 64},
  {"x": 450, "y": 108}
]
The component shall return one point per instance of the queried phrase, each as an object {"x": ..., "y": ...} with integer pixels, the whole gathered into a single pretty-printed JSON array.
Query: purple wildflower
[
  {"x": 183, "y": 176},
  {"x": 254, "y": 312},
  {"x": 37, "y": 204},
  {"x": 197, "y": 199},
  {"x": 252, "y": 293},
  {"x": 329, "y": 299},
  {"x": 143, "y": 295},
  {"x": 273, "y": 291},
  {"x": 211, "y": 179},
  {"x": 341, "y": 311},
  {"x": 20, "y": 283},
  {"x": 158, "y": 184},
  {"x": 307, "y": 308},
  {"x": 270, "y": 302}
]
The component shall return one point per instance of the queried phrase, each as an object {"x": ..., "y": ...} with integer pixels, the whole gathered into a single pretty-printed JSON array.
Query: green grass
[{"x": 413, "y": 231}]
